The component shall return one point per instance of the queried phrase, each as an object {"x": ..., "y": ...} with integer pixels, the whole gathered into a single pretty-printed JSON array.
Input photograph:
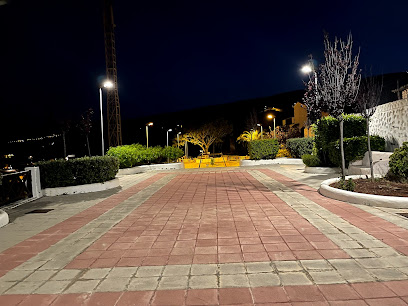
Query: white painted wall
[{"x": 391, "y": 122}]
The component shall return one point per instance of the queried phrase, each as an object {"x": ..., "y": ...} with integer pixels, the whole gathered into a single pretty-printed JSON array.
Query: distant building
[{"x": 402, "y": 92}]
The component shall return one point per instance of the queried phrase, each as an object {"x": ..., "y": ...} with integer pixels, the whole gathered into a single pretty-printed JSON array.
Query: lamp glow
[
  {"x": 108, "y": 84},
  {"x": 306, "y": 69}
]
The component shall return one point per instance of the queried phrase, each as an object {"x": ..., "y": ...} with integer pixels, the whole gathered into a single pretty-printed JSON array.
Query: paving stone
[
  {"x": 356, "y": 275},
  {"x": 4, "y": 286},
  {"x": 316, "y": 265},
  {"x": 384, "y": 252},
  {"x": 326, "y": 277},
  {"x": 373, "y": 263},
  {"x": 83, "y": 286},
  {"x": 359, "y": 253},
  {"x": 204, "y": 269},
  {"x": 31, "y": 265},
  {"x": 122, "y": 272},
  {"x": 286, "y": 266},
  {"x": 24, "y": 287},
  {"x": 263, "y": 279},
  {"x": 235, "y": 280},
  {"x": 148, "y": 271},
  {"x": 397, "y": 261},
  {"x": 53, "y": 287},
  {"x": 113, "y": 284},
  {"x": 68, "y": 274},
  {"x": 16, "y": 275},
  {"x": 177, "y": 270},
  {"x": 203, "y": 281},
  {"x": 233, "y": 268},
  {"x": 387, "y": 274},
  {"x": 173, "y": 282},
  {"x": 294, "y": 278},
  {"x": 96, "y": 273},
  {"x": 256, "y": 267},
  {"x": 344, "y": 264},
  {"x": 143, "y": 283},
  {"x": 40, "y": 276}
]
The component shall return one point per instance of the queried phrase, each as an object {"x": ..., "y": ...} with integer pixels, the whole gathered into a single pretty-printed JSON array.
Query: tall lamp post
[
  {"x": 147, "y": 133},
  {"x": 169, "y": 130},
  {"x": 274, "y": 124},
  {"x": 307, "y": 69},
  {"x": 258, "y": 124},
  {"x": 108, "y": 85},
  {"x": 178, "y": 139}
]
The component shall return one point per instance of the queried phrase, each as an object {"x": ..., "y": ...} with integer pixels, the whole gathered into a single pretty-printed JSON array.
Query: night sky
[{"x": 175, "y": 55}]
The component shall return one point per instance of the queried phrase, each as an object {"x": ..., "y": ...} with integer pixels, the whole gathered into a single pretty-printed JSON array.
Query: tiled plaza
[{"x": 226, "y": 236}]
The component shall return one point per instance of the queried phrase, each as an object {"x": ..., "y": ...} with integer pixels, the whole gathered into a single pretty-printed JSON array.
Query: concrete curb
[
  {"x": 154, "y": 167},
  {"x": 276, "y": 161},
  {"x": 4, "y": 218},
  {"x": 50, "y": 192},
  {"x": 321, "y": 170},
  {"x": 360, "y": 198}
]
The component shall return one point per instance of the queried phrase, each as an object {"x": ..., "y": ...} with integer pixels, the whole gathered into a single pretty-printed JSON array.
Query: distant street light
[
  {"x": 261, "y": 130},
  {"x": 178, "y": 139},
  {"x": 307, "y": 69},
  {"x": 147, "y": 133},
  {"x": 108, "y": 85},
  {"x": 169, "y": 130},
  {"x": 274, "y": 124}
]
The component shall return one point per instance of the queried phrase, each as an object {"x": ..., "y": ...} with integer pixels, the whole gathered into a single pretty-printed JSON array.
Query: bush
[
  {"x": 327, "y": 130},
  {"x": 348, "y": 185},
  {"x": 263, "y": 149},
  {"x": 300, "y": 146},
  {"x": 311, "y": 160},
  {"x": 399, "y": 163},
  {"x": 79, "y": 171},
  {"x": 354, "y": 148},
  {"x": 283, "y": 152},
  {"x": 172, "y": 153}
]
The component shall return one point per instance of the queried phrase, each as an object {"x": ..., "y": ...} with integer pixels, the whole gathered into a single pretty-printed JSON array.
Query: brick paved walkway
[{"x": 224, "y": 237}]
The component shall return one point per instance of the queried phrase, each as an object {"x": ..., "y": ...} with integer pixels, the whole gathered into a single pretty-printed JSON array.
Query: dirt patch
[{"x": 379, "y": 187}]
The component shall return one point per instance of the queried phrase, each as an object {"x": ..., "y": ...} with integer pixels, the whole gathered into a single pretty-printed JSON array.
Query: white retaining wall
[{"x": 390, "y": 121}]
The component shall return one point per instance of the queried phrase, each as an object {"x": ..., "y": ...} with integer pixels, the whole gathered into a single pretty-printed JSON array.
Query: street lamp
[
  {"x": 147, "y": 133},
  {"x": 169, "y": 130},
  {"x": 258, "y": 124},
  {"x": 108, "y": 85},
  {"x": 178, "y": 139},
  {"x": 274, "y": 124}
]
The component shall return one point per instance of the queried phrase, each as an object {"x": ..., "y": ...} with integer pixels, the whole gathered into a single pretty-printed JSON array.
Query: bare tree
[
  {"x": 366, "y": 103},
  {"x": 85, "y": 125},
  {"x": 208, "y": 134},
  {"x": 339, "y": 81}
]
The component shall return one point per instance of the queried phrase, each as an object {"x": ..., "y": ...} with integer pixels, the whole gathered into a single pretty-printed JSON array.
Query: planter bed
[
  {"x": 276, "y": 161},
  {"x": 154, "y": 167}
]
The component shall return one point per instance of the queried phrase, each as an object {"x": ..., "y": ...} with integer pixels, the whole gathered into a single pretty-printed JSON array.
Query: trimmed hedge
[
  {"x": 311, "y": 160},
  {"x": 263, "y": 149},
  {"x": 79, "y": 171},
  {"x": 399, "y": 162},
  {"x": 327, "y": 130},
  {"x": 137, "y": 154},
  {"x": 354, "y": 148},
  {"x": 300, "y": 146}
]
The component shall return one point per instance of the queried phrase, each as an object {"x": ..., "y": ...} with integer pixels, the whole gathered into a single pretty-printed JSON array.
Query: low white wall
[
  {"x": 276, "y": 161},
  {"x": 154, "y": 167},
  {"x": 81, "y": 188},
  {"x": 4, "y": 218},
  {"x": 390, "y": 121}
]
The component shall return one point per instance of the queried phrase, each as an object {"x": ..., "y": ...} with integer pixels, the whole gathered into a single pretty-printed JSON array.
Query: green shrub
[
  {"x": 327, "y": 130},
  {"x": 354, "y": 148},
  {"x": 79, "y": 171},
  {"x": 348, "y": 185},
  {"x": 399, "y": 162},
  {"x": 172, "y": 153},
  {"x": 311, "y": 160},
  {"x": 263, "y": 149},
  {"x": 299, "y": 146}
]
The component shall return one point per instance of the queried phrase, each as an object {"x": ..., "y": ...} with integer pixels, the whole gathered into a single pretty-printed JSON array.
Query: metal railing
[{"x": 15, "y": 186}]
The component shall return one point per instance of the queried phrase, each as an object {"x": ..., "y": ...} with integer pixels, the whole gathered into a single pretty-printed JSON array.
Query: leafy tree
[
  {"x": 339, "y": 81},
  {"x": 366, "y": 103},
  {"x": 248, "y": 136},
  {"x": 85, "y": 125},
  {"x": 208, "y": 134}
]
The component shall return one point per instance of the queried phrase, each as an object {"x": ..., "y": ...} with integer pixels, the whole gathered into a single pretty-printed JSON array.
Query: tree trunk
[
  {"x": 343, "y": 162},
  {"x": 370, "y": 154},
  {"x": 65, "y": 146},
  {"x": 87, "y": 143}
]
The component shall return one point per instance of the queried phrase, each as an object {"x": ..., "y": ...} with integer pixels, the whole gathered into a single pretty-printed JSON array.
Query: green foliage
[
  {"x": 79, "y": 171},
  {"x": 263, "y": 149},
  {"x": 311, "y": 160},
  {"x": 172, "y": 153},
  {"x": 300, "y": 146},
  {"x": 327, "y": 130},
  {"x": 136, "y": 154},
  {"x": 348, "y": 185},
  {"x": 354, "y": 148},
  {"x": 399, "y": 162}
]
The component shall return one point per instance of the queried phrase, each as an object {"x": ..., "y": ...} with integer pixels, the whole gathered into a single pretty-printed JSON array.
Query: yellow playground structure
[{"x": 213, "y": 160}]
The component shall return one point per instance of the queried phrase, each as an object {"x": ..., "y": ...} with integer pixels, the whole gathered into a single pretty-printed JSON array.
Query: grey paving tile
[
  {"x": 176, "y": 270},
  {"x": 286, "y": 266},
  {"x": 122, "y": 272},
  {"x": 16, "y": 275},
  {"x": 173, "y": 282},
  {"x": 233, "y": 280},
  {"x": 256, "y": 267},
  {"x": 96, "y": 273},
  {"x": 83, "y": 286},
  {"x": 204, "y": 269},
  {"x": 294, "y": 278},
  {"x": 24, "y": 287},
  {"x": 4, "y": 286},
  {"x": 316, "y": 265},
  {"x": 40, "y": 276},
  {"x": 113, "y": 284},
  {"x": 203, "y": 281},
  {"x": 263, "y": 279},
  {"x": 373, "y": 263},
  {"x": 360, "y": 253},
  {"x": 53, "y": 287},
  {"x": 387, "y": 274},
  {"x": 68, "y": 274},
  {"x": 232, "y": 268},
  {"x": 326, "y": 277},
  {"x": 400, "y": 261},
  {"x": 356, "y": 275},
  {"x": 148, "y": 271},
  {"x": 143, "y": 283}
]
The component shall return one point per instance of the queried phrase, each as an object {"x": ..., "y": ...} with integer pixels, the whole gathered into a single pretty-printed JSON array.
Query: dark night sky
[{"x": 174, "y": 55}]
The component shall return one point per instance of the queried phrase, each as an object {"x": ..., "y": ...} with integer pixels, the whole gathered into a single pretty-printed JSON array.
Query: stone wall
[{"x": 390, "y": 121}]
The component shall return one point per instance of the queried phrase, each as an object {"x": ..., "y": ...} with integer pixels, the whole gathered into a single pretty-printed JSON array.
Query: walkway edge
[
  {"x": 360, "y": 198},
  {"x": 49, "y": 192}
]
